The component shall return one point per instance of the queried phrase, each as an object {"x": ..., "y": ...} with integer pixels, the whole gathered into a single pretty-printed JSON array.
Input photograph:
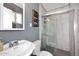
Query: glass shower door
[
  {"x": 58, "y": 32},
  {"x": 49, "y": 31}
]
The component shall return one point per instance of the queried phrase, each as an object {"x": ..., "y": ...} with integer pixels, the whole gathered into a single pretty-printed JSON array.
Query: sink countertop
[{"x": 25, "y": 48}]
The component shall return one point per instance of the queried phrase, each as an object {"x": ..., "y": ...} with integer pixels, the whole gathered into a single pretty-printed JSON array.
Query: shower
[{"x": 58, "y": 32}]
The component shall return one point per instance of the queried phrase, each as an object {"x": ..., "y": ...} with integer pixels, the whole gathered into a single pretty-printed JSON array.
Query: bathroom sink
[{"x": 25, "y": 48}]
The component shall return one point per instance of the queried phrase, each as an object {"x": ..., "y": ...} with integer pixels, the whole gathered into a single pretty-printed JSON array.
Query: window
[
  {"x": 17, "y": 22},
  {"x": 12, "y": 16},
  {"x": 8, "y": 17},
  {"x": 19, "y": 18}
]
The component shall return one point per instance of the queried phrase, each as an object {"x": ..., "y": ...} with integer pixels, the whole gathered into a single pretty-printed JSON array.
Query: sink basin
[{"x": 25, "y": 48}]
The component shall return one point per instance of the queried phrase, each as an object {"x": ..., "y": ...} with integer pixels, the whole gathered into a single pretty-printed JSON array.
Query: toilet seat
[
  {"x": 37, "y": 50},
  {"x": 45, "y": 53}
]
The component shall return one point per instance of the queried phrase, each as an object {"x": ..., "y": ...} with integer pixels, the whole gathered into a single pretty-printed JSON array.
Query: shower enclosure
[{"x": 58, "y": 32}]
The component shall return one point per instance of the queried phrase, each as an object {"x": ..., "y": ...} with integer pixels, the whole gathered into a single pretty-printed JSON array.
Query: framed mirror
[{"x": 12, "y": 16}]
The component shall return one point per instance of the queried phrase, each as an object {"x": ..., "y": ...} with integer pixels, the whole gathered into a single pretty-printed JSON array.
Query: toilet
[{"x": 37, "y": 50}]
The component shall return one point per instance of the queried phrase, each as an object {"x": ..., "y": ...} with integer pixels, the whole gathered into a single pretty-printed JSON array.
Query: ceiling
[{"x": 51, "y": 6}]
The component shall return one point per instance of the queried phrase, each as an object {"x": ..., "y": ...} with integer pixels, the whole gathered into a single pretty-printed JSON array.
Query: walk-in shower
[{"x": 58, "y": 32}]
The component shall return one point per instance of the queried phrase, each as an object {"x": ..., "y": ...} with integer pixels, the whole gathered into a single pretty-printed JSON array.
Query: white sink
[{"x": 25, "y": 48}]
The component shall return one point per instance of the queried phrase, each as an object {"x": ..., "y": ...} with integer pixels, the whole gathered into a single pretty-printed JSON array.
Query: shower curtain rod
[{"x": 57, "y": 12}]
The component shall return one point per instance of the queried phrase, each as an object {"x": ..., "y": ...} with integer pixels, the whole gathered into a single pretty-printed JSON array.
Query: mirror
[{"x": 12, "y": 16}]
